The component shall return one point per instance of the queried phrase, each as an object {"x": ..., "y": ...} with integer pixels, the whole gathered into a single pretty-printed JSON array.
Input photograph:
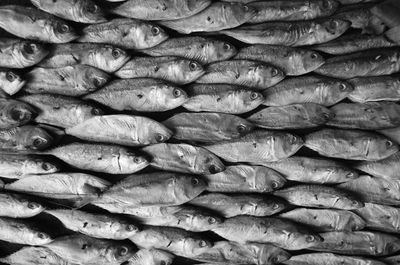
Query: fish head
[
  {"x": 208, "y": 163},
  {"x": 196, "y": 245},
  {"x": 239, "y": 12},
  {"x": 40, "y": 238},
  {"x": 269, "y": 180},
  {"x": 303, "y": 239},
  {"x": 251, "y": 98},
  {"x": 12, "y": 81},
  {"x": 123, "y": 229},
  {"x": 338, "y": 89},
  {"x": 189, "y": 70},
  {"x": 336, "y": 26},
  {"x": 199, "y": 220},
  {"x": 237, "y": 127},
  {"x": 86, "y": 111},
  {"x": 118, "y": 253},
  {"x": 32, "y": 207},
  {"x": 36, "y": 138},
  {"x": 161, "y": 257},
  {"x": 311, "y": 60},
  {"x": 196, "y": 5},
  {"x": 94, "y": 78},
  {"x": 328, "y": 4},
  {"x": 157, "y": 133},
  {"x": 268, "y": 207},
  {"x": 273, "y": 255},
  {"x": 287, "y": 143},
  {"x": 218, "y": 51},
  {"x": 19, "y": 112},
  {"x": 40, "y": 166},
  {"x": 133, "y": 161},
  {"x": 152, "y": 35},
  {"x": 110, "y": 58},
  {"x": 187, "y": 187},
  {"x": 262, "y": 72},
  {"x": 171, "y": 96},
  {"x": 347, "y": 202},
  {"x": 91, "y": 12},
  {"x": 61, "y": 32},
  {"x": 348, "y": 173},
  {"x": 32, "y": 52},
  {"x": 391, "y": 246},
  {"x": 356, "y": 222},
  {"x": 381, "y": 146},
  {"x": 320, "y": 114}
]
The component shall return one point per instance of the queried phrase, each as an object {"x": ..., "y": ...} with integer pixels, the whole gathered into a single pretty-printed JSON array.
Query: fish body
[
  {"x": 34, "y": 255},
  {"x": 330, "y": 258},
  {"x": 386, "y": 168},
  {"x": 375, "y": 88},
  {"x": 151, "y": 257}
]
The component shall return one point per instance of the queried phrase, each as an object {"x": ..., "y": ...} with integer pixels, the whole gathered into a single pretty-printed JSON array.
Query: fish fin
[
  {"x": 56, "y": 133},
  {"x": 2, "y": 184},
  {"x": 393, "y": 34}
]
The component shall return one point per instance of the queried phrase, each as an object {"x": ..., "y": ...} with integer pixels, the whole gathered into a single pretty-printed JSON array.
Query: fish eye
[
  {"x": 38, "y": 142},
  {"x": 138, "y": 159},
  {"x": 202, "y": 243},
  {"x": 274, "y": 259},
  {"x": 195, "y": 181},
  {"x": 42, "y": 235},
  {"x": 326, "y": 4},
  {"x": 246, "y": 8},
  {"x": 95, "y": 111},
  {"x": 275, "y": 206},
  {"x": 11, "y": 76},
  {"x": 253, "y": 95},
  {"x": 310, "y": 238},
  {"x": 92, "y": 8},
  {"x": 213, "y": 169},
  {"x": 155, "y": 30},
  {"x": 314, "y": 55},
  {"x": 350, "y": 175},
  {"x": 32, "y": 205},
  {"x": 274, "y": 72},
  {"x": 46, "y": 166},
  {"x": 342, "y": 87},
  {"x": 63, "y": 28},
  {"x": 30, "y": 48},
  {"x": 116, "y": 53},
  {"x": 163, "y": 262},
  {"x": 160, "y": 138},
  {"x": 131, "y": 228},
  {"x": 177, "y": 93},
  {"x": 355, "y": 202},
  {"x": 123, "y": 251},
  {"x": 192, "y": 66},
  {"x": 17, "y": 115},
  {"x": 97, "y": 82},
  {"x": 227, "y": 46},
  {"x": 275, "y": 185},
  {"x": 212, "y": 220},
  {"x": 241, "y": 128},
  {"x": 389, "y": 143}
]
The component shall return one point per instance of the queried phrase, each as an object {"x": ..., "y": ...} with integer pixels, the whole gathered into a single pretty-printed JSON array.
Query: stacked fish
[{"x": 152, "y": 132}]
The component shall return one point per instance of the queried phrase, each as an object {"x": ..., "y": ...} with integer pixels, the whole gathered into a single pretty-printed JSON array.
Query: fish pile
[{"x": 159, "y": 132}]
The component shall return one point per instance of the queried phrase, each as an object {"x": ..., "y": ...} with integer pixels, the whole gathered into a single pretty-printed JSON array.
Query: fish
[
  {"x": 225, "y": 252},
  {"x": 375, "y": 88},
  {"x": 34, "y": 24},
  {"x": 14, "y": 113},
  {"x": 26, "y": 138},
  {"x": 326, "y": 220},
  {"x": 392, "y": 260},
  {"x": 375, "y": 62},
  {"x": 350, "y": 144},
  {"x": 79, "y": 188},
  {"x": 319, "y": 196},
  {"x": 378, "y": 217},
  {"x": 18, "y": 206},
  {"x": 334, "y": 259},
  {"x": 221, "y": 98},
  {"x": 289, "y": 33},
  {"x": 279, "y": 10},
  {"x": 245, "y": 178},
  {"x": 22, "y": 232},
  {"x": 104, "y": 158},
  {"x": 388, "y": 168},
  {"x": 121, "y": 129},
  {"x": 349, "y": 2},
  {"x": 95, "y": 225},
  {"x": 207, "y": 127},
  {"x": 279, "y": 232},
  {"x": 183, "y": 158},
  {"x": 18, "y": 53},
  {"x": 160, "y": 9},
  {"x": 313, "y": 170},
  {"x": 125, "y": 33},
  {"x": 73, "y": 80},
  {"x": 15, "y": 166},
  {"x": 296, "y": 116},
  {"x": 83, "y": 11},
  {"x": 307, "y": 89},
  {"x": 152, "y": 189},
  {"x": 393, "y": 134},
  {"x": 362, "y": 243},
  {"x": 81, "y": 249},
  {"x": 10, "y": 81},
  {"x": 374, "y": 189},
  {"x": 102, "y": 56},
  {"x": 61, "y": 111},
  {"x": 252, "y": 74},
  {"x": 258, "y": 147},
  {"x": 230, "y": 205},
  {"x": 139, "y": 94},
  {"x": 217, "y": 16},
  {"x": 151, "y": 257},
  {"x": 34, "y": 255},
  {"x": 353, "y": 43},
  {"x": 200, "y": 49},
  {"x": 174, "y": 69},
  {"x": 292, "y": 61}
]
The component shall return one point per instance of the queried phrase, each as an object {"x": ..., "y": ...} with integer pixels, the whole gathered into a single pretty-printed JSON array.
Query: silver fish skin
[
  {"x": 374, "y": 189},
  {"x": 313, "y": 170},
  {"x": 252, "y": 74},
  {"x": 14, "y": 113},
  {"x": 10, "y": 81},
  {"x": 207, "y": 127},
  {"x": 222, "y": 98},
  {"x": 34, "y": 255},
  {"x": 353, "y": 43},
  {"x": 125, "y": 33},
  {"x": 75, "y": 80},
  {"x": 81, "y": 249},
  {"x": 290, "y": 33},
  {"x": 226, "y": 252},
  {"x": 217, "y": 16},
  {"x": 19, "y": 53},
  {"x": 280, "y": 232},
  {"x": 102, "y": 56},
  {"x": 393, "y": 134},
  {"x": 111, "y": 159},
  {"x": 375, "y": 88},
  {"x": 18, "y": 206},
  {"x": 303, "y": 89},
  {"x": 140, "y": 94},
  {"x": 378, "y": 217},
  {"x": 293, "y": 61},
  {"x": 388, "y": 168},
  {"x": 95, "y": 225},
  {"x": 279, "y": 10},
  {"x": 26, "y": 138},
  {"x": 21, "y": 232},
  {"x": 366, "y": 116},
  {"x": 362, "y": 243},
  {"x": 350, "y": 144},
  {"x": 330, "y": 258},
  {"x": 83, "y": 11},
  {"x": 296, "y": 116},
  {"x": 326, "y": 220},
  {"x": 349, "y": 2},
  {"x": 375, "y": 62},
  {"x": 230, "y": 205},
  {"x": 160, "y": 9},
  {"x": 319, "y": 196},
  {"x": 202, "y": 50},
  {"x": 174, "y": 240},
  {"x": 121, "y": 129},
  {"x": 61, "y": 111},
  {"x": 170, "y": 68},
  {"x": 31, "y": 23},
  {"x": 183, "y": 158},
  {"x": 258, "y": 147},
  {"x": 15, "y": 166},
  {"x": 245, "y": 178},
  {"x": 391, "y": 260},
  {"x": 151, "y": 257}
]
